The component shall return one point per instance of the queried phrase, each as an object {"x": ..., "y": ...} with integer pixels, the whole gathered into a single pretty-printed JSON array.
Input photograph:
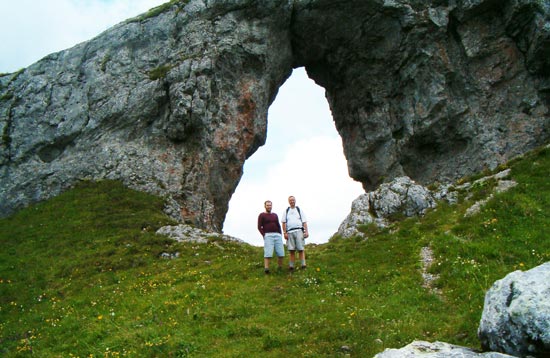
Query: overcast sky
[{"x": 303, "y": 155}]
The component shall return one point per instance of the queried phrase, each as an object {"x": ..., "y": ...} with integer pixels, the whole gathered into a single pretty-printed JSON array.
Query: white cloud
[{"x": 32, "y": 29}]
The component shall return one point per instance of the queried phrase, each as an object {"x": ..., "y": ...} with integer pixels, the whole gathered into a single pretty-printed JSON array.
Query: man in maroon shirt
[{"x": 270, "y": 228}]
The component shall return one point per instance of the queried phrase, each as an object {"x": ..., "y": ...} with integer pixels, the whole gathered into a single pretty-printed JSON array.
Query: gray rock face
[
  {"x": 516, "y": 314},
  {"x": 174, "y": 102},
  {"x": 429, "y": 89},
  {"x": 360, "y": 214},
  {"x": 436, "y": 350},
  {"x": 401, "y": 196}
]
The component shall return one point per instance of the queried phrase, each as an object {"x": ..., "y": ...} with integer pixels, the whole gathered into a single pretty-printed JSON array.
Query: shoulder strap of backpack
[{"x": 299, "y": 213}]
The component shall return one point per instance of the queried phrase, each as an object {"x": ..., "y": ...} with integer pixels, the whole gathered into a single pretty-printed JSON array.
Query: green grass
[{"x": 80, "y": 276}]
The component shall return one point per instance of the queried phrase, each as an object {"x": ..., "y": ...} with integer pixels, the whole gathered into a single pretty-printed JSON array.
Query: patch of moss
[
  {"x": 104, "y": 61},
  {"x": 6, "y": 96},
  {"x": 159, "y": 72}
]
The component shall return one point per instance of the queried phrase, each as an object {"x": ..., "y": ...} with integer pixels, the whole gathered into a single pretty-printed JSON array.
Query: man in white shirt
[{"x": 295, "y": 231}]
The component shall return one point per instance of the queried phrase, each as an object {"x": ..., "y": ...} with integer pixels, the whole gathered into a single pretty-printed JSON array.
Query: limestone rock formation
[
  {"x": 174, "y": 101},
  {"x": 436, "y": 350},
  {"x": 429, "y": 89},
  {"x": 172, "y": 104},
  {"x": 516, "y": 314},
  {"x": 360, "y": 214},
  {"x": 401, "y": 196}
]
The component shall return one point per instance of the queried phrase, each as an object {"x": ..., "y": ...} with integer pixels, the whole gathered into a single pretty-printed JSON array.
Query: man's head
[
  {"x": 268, "y": 206},
  {"x": 292, "y": 201}
]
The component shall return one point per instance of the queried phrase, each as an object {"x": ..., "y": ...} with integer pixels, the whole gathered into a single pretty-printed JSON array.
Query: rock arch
[{"x": 173, "y": 102}]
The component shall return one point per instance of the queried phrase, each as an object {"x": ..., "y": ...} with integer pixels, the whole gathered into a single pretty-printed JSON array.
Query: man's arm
[
  {"x": 279, "y": 225},
  {"x": 260, "y": 225},
  {"x": 306, "y": 233}
]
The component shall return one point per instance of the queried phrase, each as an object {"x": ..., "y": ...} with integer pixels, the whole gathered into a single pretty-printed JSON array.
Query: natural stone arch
[{"x": 174, "y": 102}]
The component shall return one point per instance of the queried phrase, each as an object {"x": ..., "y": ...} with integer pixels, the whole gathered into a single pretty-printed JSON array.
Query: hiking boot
[
  {"x": 266, "y": 271},
  {"x": 303, "y": 267},
  {"x": 291, "y": 269}
]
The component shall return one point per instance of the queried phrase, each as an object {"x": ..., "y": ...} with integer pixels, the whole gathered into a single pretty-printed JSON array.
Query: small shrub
[{"x": 368, "y": 229}]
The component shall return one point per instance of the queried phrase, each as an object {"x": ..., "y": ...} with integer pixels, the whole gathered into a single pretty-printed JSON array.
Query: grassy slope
[{"x": 80, "y": 276}]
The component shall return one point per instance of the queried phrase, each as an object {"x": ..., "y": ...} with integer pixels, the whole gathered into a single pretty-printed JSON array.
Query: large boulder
[
  {"x": 516, "y": 315},
  {"x": 360, "y": 214}
]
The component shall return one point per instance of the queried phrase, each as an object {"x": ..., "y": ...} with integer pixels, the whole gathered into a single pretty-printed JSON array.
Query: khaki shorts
[{"x": 295, "y": 240}]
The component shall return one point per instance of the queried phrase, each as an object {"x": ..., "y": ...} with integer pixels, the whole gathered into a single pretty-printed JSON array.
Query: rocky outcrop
[
  {"x": 516, "y": 314},
  {"x": 436, "y": 350},
  {"x": 402, "y": 197},
  {"x": 515, "y": 321},
  {"x": 173, "y": 102},
  {"x": 186, "y": 233},
  {"x": 360, "y": 214}
]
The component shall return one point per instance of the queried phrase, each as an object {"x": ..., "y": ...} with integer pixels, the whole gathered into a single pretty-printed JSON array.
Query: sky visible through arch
[
  {"x": 303, "y": 154},
  {"x": 303, "y": 157}
]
